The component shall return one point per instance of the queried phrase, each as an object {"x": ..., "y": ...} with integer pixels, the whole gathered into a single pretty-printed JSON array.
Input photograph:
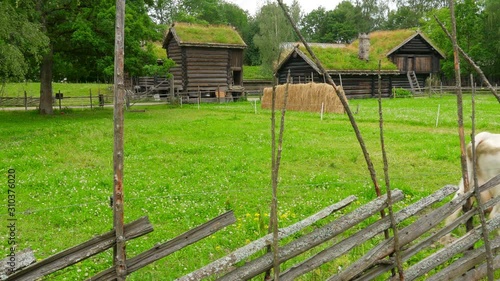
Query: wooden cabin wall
[
  {"x": 235, "y": 67},
  {"x": 236, "y": 58},
  {"x": 418, "y": 63},
  {"x": 416, "y": 55},
  {"x": 206, "y": 68},
  {"x": 355, "y": 86},
  {"x": 300, "y": 71},
  {"x": 401, "y": 81},
  {"x": 174, "y": 52},
  {"x": 363, "y": 86}
]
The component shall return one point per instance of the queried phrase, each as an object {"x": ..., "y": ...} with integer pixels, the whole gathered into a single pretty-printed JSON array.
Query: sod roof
[
  {"x": 346, "y": 58},
  {"x": 187, "y": 34}
]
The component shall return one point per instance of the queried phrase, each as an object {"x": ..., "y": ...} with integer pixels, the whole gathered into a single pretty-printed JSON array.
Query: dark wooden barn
[
  {"x": 208, "y": 58},
  {"x": 407, "y": 58}
]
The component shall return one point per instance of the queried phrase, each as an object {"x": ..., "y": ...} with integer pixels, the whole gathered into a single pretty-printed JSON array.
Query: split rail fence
[{"x": 420, "y": 228}]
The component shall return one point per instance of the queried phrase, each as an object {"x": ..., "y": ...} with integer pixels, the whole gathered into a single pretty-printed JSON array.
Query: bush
[{"x": 401, "y": 93}]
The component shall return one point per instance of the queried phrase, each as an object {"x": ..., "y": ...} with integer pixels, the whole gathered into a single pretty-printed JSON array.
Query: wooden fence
[{"x": 420, "y": 228}]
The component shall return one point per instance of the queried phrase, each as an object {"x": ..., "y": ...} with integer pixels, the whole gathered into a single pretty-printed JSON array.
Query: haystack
[{"x": 305, "y": 97}]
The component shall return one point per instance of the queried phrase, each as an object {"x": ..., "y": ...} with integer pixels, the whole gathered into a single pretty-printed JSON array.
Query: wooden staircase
[{"x": 412, "y": 78}]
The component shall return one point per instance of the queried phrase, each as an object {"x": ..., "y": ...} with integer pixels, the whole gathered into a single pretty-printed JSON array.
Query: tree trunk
[{"x": 46, "y": 84}]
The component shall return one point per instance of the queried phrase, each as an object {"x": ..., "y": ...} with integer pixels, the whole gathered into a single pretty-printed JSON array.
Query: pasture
[{"x": 186, "y": 165}]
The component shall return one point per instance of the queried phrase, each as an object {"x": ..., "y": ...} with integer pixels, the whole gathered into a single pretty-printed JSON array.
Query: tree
[
  {"x": 471, "y": 36},
  {"x": 346, "y": 22},
  {"x": 342, "y": 24},
  {"x": 470, "y": 26},
  {"x": 164, "y": 11},
  {"x": 491, "y": 44},
  {"x": 313, "y": 25},
  {"x": 409, "y": 12},
  {"x": 252, "y": 54},
  {"x": 402, "y": 18},
  {"x": 21, "y": 43},
  {"x": 81, "y": 35},
  {"x": 373, "y": 14},
  {"x": 274, "y": 29}
]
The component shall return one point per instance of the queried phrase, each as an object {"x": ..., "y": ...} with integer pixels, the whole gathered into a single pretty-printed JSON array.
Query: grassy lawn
[
  {"x": 67, "y": 89},
  {"x": 184, "y": 166}
]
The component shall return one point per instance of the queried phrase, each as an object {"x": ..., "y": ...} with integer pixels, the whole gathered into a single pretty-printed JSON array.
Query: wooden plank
[
  {"x": 468, "y": 261},
  {"x": 83, "y": 251},
  {"x": 461, "y": 245},
  {"x": 253, "y": 247},
  {"x": 200, "y": 71},
  {"x": 205, "y": 76},
  {"x": 167, "y": 248},
  {"x": 20, "y": 260},
  {"x": 193, "y": 51},
  {"x": 480, "y": 272},
  {"x": 374, "y": 272},
  {"x": 204, "y": 59},
  {"x": 362, "y": 236},
  {"x": 220, "y": 63},
  {"x": 310, "y": 240},
  {"x": 407, "y": 235}
]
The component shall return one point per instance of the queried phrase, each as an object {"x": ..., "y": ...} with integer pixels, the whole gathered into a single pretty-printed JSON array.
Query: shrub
[{"x": 401, "y": 93}]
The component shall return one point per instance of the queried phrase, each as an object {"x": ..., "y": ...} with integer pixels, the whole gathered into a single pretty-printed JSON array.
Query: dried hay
[{"x": 305, "y": 97}]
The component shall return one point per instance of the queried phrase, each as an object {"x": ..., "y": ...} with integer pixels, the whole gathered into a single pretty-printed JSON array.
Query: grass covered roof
[
  {"x": 381, "y": 42},
  {"x": 200, "y": 34}
]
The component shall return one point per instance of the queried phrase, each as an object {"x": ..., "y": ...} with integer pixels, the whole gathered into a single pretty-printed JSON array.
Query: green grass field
[
  {"x": 184, "y": 166},
  {"x": 68, "y": 89}
]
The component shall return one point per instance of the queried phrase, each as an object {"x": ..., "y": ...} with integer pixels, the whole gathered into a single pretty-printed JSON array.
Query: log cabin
[
  {"x": 208, "y": 58},
  {"x": 407, "y": 59}
]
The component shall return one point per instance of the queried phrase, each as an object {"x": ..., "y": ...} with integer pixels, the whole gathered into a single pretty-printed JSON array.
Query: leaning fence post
[
  {"x": 394, "y": 226},
  {"x": 25, "y": 101},
  {"x": 486, "y": 239},
  {"x": 90, "y": 98}
]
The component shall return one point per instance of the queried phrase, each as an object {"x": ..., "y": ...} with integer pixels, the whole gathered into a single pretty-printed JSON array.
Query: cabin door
[
  {"x": 237, "y": 76},
  {"x": 410, "y": 64}
]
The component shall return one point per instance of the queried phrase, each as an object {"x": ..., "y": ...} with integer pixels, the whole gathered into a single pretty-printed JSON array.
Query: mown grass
[
  {"x": 184, "y": 166},
  {"x": 67, "y": 89},
  {"x": 254, "y": 72}
]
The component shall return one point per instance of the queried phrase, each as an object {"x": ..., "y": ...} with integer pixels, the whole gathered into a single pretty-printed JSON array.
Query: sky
[{"x": 307, "y": 5}]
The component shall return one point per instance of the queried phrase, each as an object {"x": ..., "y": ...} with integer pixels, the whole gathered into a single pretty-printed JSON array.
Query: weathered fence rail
[
  {"x": 83, "y": 251},
  {"x": 19, "y": 101},
  {"x": 13, "y": 263},
  {"x": 417, "y": 239},
  {"x": 169, "y": 247},
  {"x": 244, "y": 252}
]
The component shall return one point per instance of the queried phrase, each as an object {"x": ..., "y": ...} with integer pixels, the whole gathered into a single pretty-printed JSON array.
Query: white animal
[{"x": 487, "y": 166}]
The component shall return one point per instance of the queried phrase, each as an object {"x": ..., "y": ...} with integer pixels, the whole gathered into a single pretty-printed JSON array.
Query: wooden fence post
[
  {"x": 119, "y": 91},
  {"x": 25, "y": 101},
  {"x": 172, "y": 90}
]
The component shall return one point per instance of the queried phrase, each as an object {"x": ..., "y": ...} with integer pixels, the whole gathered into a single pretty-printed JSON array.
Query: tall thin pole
[
  {"x": 458, "y": 91},
  {"x": 119, "y": 90}
]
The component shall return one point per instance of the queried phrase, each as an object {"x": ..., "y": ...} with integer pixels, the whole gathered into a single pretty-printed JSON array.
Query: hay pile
[{"x": 305, "y": 97}]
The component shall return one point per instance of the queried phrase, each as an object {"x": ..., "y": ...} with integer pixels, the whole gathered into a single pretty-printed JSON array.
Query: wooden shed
[
  {"x": 407, "y": 59},
  {"x": 208, "y": 58}
]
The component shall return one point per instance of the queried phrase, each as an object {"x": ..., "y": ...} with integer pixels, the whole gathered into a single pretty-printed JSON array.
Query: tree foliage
[
  {"x": 340, "y": 25},
  {"x": 22, "y": 43},
  {"x": 491, "y": 41},
  {"x": 273, "y": 30},
  {"x": 75, "y": 39}
]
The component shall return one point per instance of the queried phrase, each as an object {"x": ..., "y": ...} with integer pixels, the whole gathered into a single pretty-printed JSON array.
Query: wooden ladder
[{"x": 412, "y": 78}]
